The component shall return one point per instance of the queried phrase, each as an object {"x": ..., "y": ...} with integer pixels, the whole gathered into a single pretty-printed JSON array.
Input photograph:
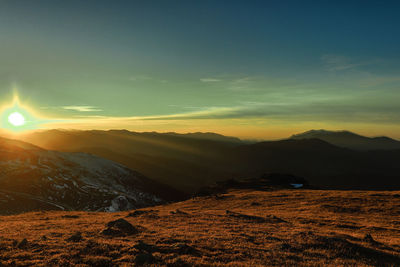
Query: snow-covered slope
[{"x": 32, "y": 178}]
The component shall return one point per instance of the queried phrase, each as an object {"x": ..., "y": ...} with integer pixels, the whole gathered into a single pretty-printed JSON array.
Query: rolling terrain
[
  {"x": 32, "y": 178},
  {"x": 191, "y": 161},
  {"x": 350, "y": 140},
  {"x": 240, "y": 227}
]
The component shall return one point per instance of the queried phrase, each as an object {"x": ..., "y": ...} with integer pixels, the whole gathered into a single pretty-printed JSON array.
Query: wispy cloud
[
  {"x": 241, "y": 84},
  {"x": 82, "y": 108},
  {"x": 261, "y": 114},
  {"x": 307, "y": 111},
  {"x": 210, "y": 80},
  {"x": 340, "y": 63},
  {"x": 139, "y": 78}
]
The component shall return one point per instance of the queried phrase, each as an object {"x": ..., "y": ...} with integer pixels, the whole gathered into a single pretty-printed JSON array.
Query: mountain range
[
  {"x": 350, "y": 140},
  {"x": 188, "y": 162}
]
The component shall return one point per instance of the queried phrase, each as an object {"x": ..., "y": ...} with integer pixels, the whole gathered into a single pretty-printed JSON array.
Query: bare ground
[{"x": 239, "y": 228}]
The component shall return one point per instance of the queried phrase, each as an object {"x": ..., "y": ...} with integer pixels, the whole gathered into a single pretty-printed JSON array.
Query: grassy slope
[{"x": 302, "y": 227}]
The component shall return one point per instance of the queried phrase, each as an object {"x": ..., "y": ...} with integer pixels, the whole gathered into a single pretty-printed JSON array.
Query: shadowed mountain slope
[
  {"x": 174, "y": 159},
  {"x": 350, "y": 140},
  {"x": 191, "y": 163},
  {"x": 32, "y": 178}
]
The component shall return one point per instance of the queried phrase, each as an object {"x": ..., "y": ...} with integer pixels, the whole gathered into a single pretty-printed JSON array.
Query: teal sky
[{"x": 247, "y": 68}]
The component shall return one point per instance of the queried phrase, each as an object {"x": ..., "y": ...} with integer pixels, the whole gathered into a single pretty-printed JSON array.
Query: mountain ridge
[
  {"x": 350, "y": 140},
  {"x": 188, "y": 164}
]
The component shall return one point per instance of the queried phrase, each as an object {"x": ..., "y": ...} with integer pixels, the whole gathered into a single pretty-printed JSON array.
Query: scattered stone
[
  {"x": 368, "y": 238},
  {"x": 120, "y": 227},
  {"x": 274, "y": 219},
  {"x": 144, "y": 258},
  {"x": 44, "y": 238},
  {"x": 178, "y": 212},
  {"x": 168, "y": 241},
  {"x": 255, "y": 204},
  {"x": 23, "y": 243},
  {"x": 75, "y": 237},
  {"x": 97, "y": 261},
  {"x": 186, "y": 249},
  {"x": 124, "y": 226},
  {"x": 70, "y": 216},
  {"x": 140, "y": 212},
  {"x": 258, "y": 219},
  {"x": 220, "y": 197},
  {"x": 285, "y": 246},
  {"x": 178, "y": 262},
  {"x": 112, "y": 232},
  {"x": 142, "y": 246}
]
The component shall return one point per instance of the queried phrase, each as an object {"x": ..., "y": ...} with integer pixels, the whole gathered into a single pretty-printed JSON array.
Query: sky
[{"x": 253, "y": 69}]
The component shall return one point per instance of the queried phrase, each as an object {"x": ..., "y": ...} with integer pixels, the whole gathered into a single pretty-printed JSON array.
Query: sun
[{"x": 16, "y": 119}]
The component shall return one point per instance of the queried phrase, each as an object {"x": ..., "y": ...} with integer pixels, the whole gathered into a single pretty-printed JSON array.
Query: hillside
[
  {"x": 183, "y": 161},
  {"x": 350, "y": 140},
  {"x": 32, "y": 178},
  {"x": 240, "y": 227},
  {"x": 188, "y": 163},
  {"x": 321, "y": 163}
]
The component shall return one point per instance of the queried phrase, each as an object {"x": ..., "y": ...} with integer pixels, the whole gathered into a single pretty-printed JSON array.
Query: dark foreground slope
[
  {"x": 190, "y": 162},
  {"x": 242, "y": 227}
]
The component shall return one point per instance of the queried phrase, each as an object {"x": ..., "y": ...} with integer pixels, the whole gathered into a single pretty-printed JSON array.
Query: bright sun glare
[{"x": 16, "y": 119}]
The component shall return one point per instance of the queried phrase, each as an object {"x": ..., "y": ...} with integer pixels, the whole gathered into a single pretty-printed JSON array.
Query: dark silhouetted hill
[
  {"x": 192, "y": 163},
  {"x": 350, "y": 140}
]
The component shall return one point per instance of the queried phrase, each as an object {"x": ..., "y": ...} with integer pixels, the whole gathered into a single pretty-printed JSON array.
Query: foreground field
[{"x": 241, "y": 227}]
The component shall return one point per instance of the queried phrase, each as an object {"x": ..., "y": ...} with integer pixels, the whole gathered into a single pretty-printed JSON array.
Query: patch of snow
[{"x": 118, "y": 204}]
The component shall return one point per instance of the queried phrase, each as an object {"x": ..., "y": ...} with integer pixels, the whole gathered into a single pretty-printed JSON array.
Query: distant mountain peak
[
  {"x": 314, "y": 132},
  {"x": 350, "y": 140}
]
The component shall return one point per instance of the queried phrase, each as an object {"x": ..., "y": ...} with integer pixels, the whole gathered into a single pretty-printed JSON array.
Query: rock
[
  {"x": 186, "y": 249},
  {"x": 112, "y": 232},
  {"x": 149, "y": 213},
  {"x": 179, "y": 212},
  {"x": 178, "y": 262},
  {"x": 70, "y": 216},
  {"x": 23, "y": 243},
  {"x": 137, "y": 213},
  {"x": 253, "y": 218},
  {"x": 369, "y": 238},
  {"x": 285, "y": 246},
  {"x": 75, "y": 237},
  {"x": 124, "y": 226},
  {"x": 142, "y": 246},
  {"x": 119, "y": 227},
  {"x": 144, "y": 258}
]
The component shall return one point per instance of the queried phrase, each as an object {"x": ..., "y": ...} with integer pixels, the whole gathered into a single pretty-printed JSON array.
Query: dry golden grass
[{"x": 239, "y": 228}]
